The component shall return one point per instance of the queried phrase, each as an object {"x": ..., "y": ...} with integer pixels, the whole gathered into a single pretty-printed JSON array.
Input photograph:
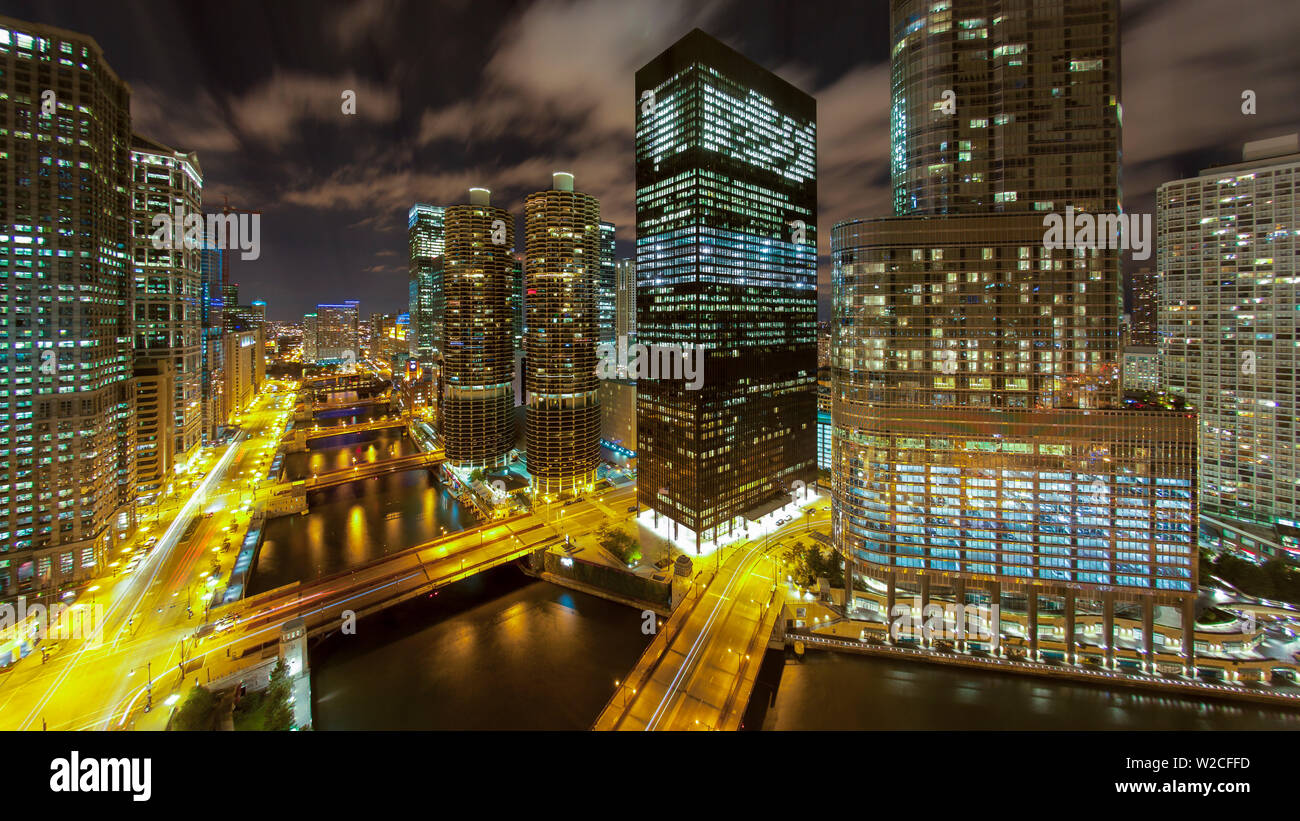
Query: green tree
[
  {"x": 197, "y": 712},
  {"x": 279, "y": 712}
]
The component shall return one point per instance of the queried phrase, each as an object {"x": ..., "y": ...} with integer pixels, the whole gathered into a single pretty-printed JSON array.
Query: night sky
[{"x": 457, "y": 93}]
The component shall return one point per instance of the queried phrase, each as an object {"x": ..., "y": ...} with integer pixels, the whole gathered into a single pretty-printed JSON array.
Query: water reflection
[
  {"x": 498, "y": 651},
  {"x": 354, "y": 523},
  {"x": 342, "y": 452},
  {"x": 841, "y": 691}
]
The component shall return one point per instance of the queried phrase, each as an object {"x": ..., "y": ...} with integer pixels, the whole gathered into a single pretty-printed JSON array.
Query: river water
[{"x": 503, "y": 651}]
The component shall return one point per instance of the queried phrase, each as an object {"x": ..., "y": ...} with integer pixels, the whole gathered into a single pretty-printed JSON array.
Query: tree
[
  {"x": 665, "y": 549},
  {"x": 279, "y": 712},
  {"x": 197, "y": 712}
]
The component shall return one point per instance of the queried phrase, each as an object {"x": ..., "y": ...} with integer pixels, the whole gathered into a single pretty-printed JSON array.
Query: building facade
[
  {"x": 168, "y": 290},
  {"x": 1227, "y": 264},
  {"x": 476, "y": 403},
  {"x": 338, "y": 333},
  {"x": 67, "y": 398},
  {"x": 245, "y": 355},
  {"x": 563, "y": 262},
  {"x": 211, "y": 328},
  {"x": 155, "y": 434},
  {"x": 982, "y": 447},
  {"x": 1146, "y": 294},
  {"x": 606, "y": 285},
  {"x": 726, "y": 159},
  {"x": 625, "y": 299},
  {"x": 425, "y": 298},
  {"x": 1141, "y": 368}
]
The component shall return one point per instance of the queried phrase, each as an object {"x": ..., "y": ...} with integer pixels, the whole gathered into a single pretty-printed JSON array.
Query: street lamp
[{"x": 148, "y": 699}]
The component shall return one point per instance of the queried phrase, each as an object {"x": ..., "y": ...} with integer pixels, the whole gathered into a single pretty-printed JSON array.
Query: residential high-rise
[
  {"x": 1227, "y": 253},
  {"x": 310, "y": 323},
  {"x": 425, "y": 298},
  {"x": 625, "y": 299},
  {"x": 67, "y": 396},
  {"x": 562, "y": 267},
  {"x": 726, "y": 233},
  {"x": 168, "y": 314},
  {"x": 606, "y": 285},
  {"x": 476, "y": 406},
  {"x": 981, "y": 445},
  {"x": 1140, "y": 369},
  {"x": 1145, "y": 299},
  {"x": 155, "y": 436},
  {"x": 338, "y": 335},
  {"x": 245, "y": 370}
]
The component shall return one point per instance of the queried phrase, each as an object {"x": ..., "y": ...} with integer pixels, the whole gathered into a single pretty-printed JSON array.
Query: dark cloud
[{"x": 500, "y": 93}]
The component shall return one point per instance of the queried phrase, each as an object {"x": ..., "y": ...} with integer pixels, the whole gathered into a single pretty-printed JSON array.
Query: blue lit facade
[
  {"x": 726, "y": 159},
  {"x": 425, "y": 296},
  {"x": 606, "y": 287},
  {"x": 982, "y": 444}
]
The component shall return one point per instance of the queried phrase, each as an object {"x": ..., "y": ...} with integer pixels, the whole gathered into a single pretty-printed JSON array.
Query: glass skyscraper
[
  {"x": 67, "y": 396},
  {"x": 211, "y": 327},
  {"x": 562, "y": 260},
  {"x": 981, "y": 443},
  {"x": 606, "y": 287},
  {"x": 425, "y": 296},
  {"x": 168, "y": 282},
  {"x": 726, "y": 233}
]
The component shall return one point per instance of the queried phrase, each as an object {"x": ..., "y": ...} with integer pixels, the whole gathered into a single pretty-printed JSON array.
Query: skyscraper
[
  {"x": 476, "y": 407},
  {"x": 67, "y": 397},
  {"x": 562, "y": 245},
  {"x": 425, "y": 232},
  {"x": 1145, "y": 299},
  {"x": 726, "y": 179},
  {"x": 167, "y": 283},
  {"x": 211, "y": 328},
  {"x": 1227, "y": 265},
  {"x": 606, "y": 286},
  {"x": 625, "y": 299},
  {"x": 310, "y": 323},
  {"x": 338, "y": 334},
  {"x": 980, "y": 440},
  {"x": 517, "y": 303}
]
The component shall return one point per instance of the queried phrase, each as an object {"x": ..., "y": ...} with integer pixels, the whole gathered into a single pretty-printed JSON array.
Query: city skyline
[
  {"x": 573, "y": 456},
  {"x": 270, "y": 135}
]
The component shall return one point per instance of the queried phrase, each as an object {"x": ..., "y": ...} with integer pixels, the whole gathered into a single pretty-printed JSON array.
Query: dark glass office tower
[
  {"x": 981, "y": 444},
  {"x": 726, "y": 179},
  {"x": 562, "y": 239},
  {"x": 605, "y": 285},
  {"x": 425, "y": 299},
  {"x": 477, "y": 402}
]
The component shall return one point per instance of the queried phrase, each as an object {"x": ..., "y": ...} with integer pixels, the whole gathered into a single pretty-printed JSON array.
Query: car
[
  {"x": 631, "y": 509},
  {"x": 827, "y": 508}
]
